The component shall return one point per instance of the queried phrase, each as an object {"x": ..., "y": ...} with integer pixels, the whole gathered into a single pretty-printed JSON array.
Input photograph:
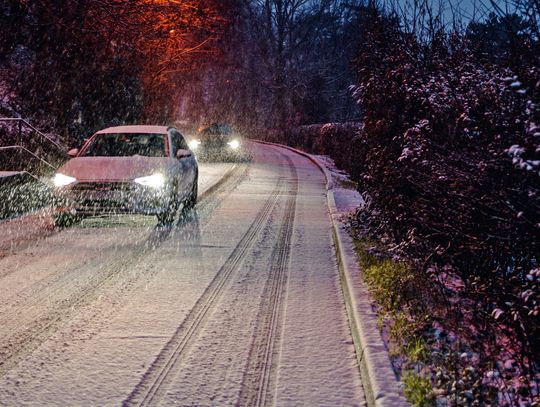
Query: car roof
[{"x": 135, "y": 129}]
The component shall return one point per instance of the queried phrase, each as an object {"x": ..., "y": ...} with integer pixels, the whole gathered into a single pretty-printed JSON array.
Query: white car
[
  {"x": 128, "y": 169},
  {"x": 217, "y": 142}
]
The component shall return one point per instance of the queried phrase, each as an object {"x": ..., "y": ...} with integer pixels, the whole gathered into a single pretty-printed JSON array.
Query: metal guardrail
[
  {"x": 17, "y": 147},
  {"x": 22, "y": 122}
]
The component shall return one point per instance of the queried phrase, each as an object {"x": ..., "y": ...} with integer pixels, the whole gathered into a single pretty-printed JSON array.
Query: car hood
[{"x": 95, "y": 169}]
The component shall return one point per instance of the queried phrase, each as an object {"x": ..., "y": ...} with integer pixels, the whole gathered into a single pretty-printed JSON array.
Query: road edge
[{"x": 381, "y": 387}]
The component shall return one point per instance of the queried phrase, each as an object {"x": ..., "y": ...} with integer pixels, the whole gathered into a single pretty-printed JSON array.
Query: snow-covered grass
[{"x": 432, "y": 337}]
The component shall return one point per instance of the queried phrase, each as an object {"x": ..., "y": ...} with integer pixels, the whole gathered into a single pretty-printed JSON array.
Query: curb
[{"x": 381, "y": 387}]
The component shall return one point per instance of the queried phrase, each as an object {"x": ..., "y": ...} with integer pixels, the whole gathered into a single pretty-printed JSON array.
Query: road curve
[{"x": 239, "y": 303}]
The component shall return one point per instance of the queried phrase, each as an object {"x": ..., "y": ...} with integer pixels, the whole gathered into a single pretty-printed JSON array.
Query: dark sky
[{"x": 464, "y": 9}]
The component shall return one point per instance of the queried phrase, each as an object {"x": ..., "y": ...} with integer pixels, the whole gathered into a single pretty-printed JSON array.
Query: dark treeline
[
  {"x": 284, "y": 63},
  {"x": 76, "y": 66}
]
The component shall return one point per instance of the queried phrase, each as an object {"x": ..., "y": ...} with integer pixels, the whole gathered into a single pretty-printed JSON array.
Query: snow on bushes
[{"x": 450, "y": 158}]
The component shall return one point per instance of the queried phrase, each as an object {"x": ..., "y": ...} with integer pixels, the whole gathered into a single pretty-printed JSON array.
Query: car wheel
[{"x": 167, "y": 216}]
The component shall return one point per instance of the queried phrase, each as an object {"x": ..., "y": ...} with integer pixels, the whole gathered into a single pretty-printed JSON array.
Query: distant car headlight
[
  {"x": 193, "y": 144},
  {"x": 61, "y": 180},
  {"x": 234, "y": 144},
  {"x": 153, "y": 181}
]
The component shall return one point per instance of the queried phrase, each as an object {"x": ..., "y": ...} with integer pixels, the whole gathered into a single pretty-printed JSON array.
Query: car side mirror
[
  {"x": 73, "y": 152},
  {"x": 181, "y": 153}
]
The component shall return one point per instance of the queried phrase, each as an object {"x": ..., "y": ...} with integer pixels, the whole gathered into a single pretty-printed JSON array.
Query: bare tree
[{"x": 84, "y": 64}]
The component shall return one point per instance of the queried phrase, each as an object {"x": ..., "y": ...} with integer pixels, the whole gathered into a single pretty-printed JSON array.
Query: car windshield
[
  {"x": 223, "y": 130},
  {"x": 126, "y": 145}
]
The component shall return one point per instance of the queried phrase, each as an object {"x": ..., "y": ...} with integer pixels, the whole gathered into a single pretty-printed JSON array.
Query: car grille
[{"x": 103, "y": 186}]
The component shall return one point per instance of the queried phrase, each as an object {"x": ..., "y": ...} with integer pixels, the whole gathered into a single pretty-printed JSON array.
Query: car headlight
[
  {"x": 153, "y": 181},
  {"x": 193, "y": 144},
  {"x": 61, "y": 180},
  {"x": 234, "y": 144}
]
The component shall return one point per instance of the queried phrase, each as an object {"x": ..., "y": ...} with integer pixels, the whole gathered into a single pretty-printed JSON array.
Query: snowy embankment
[{"x": 346, "y": 194}]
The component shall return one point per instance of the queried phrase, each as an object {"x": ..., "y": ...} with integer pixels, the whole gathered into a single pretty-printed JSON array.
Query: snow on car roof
[{"x": 135, "y": 129}]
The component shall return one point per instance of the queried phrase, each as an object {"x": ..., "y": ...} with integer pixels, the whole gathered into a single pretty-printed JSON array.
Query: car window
[
  {"x": 126, "y": 145},
  {"x": 217, "y": 129}
]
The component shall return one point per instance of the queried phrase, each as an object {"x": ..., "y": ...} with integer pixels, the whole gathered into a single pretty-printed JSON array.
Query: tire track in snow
[
  {"x": 27, "y": 325},
  {"x": 261, "y": 367},
  {"x": 156, "y": 378},
  {"x": 21, "y": 336}
]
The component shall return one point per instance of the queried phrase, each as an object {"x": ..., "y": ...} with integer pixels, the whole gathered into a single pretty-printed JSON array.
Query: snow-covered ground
[{"x": 238, "y": 304}]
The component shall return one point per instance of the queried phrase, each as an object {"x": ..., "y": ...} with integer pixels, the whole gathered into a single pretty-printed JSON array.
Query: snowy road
[{"x": 239, "y": 304}]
